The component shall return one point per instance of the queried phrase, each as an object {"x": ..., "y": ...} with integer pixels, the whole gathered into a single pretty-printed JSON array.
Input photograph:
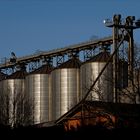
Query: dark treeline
[{"x": 58, "y": 132}]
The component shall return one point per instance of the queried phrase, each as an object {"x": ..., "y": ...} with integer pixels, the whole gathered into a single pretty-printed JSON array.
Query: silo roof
[
  {"x": 17, "y": 75},
  {"x": 2, "y": 76},
  {"x": 71, "y": 63},
  {"x": 45, "y": 69},
  {"x": 101, "y": 57}
]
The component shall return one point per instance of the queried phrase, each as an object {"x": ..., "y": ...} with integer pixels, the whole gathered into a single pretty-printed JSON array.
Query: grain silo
[
  {"x": 125, "y": 93},
  {"x": 65, "y": 87},
  {"x": 13, "y": 94},
  {"x": 38, "y": 87},
  {"x": 122, "y": 74},
  {"x": 103, "y": 89},
  {"x": 2, "y": 77},
  {"x": 2, "y": 112}
]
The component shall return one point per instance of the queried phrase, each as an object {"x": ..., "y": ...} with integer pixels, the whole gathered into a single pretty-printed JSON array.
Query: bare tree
[
  {"x": 126, "y": 92},
  {"x": 131, "y": 93},
  {"x": 15, "y": 109},
  {"x": 103, "y": 89}
]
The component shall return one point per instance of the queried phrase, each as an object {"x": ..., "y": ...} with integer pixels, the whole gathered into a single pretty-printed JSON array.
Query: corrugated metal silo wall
[
  {"x": 123, "y": 74},
  {"x": 65, "y": 90},
  {"x": 124, "y": 96},
  {"x": 103, "y": 89},
  {"x": 12, "y": 92},
  {"x": 39, "y": 91},
  {"x": 137, "y": 83},
  {"x": 2, "y": 106}
]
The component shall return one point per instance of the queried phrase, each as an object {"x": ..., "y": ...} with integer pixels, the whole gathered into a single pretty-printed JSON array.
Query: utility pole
[
  {"x": 116, "y": 23},
  {"x": 127, "y": 27}
]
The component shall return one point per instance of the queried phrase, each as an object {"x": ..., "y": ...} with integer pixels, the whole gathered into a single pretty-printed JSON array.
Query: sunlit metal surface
[
  {"x": 11, "y": 91},
  {"x": 103, "y": 89},
  {"x": 38, "y": 88},
  {"x": 65, "y": 89}
]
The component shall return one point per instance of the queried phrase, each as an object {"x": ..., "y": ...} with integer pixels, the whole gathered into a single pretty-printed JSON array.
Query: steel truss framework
[{"x": 56, "y": 57}]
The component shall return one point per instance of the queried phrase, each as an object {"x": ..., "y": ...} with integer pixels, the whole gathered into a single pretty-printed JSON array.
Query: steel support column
[{"x": 116, "y": 20}]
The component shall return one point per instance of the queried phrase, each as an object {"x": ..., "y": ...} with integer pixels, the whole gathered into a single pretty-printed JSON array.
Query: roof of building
[
  {"x": 118, "y": 109},
  {"x": 101, "y": 57},
  {"x": 45, "y": 69},
  {"x": 2, "y": 76},
  {"x": 17, "y": 75},
  {"x": 71, "y": 63}
]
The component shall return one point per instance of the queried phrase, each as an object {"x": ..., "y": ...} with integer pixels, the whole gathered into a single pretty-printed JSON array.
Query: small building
[{"x": 104, "y": 114}]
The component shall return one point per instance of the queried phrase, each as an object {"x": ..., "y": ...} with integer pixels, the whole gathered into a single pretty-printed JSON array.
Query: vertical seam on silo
[
  {"x": 60, "y": 111},
  {"x": 68, "y": 89},
  {"x": 78, "y": 84},
  {"x": 40, "y": 94}
]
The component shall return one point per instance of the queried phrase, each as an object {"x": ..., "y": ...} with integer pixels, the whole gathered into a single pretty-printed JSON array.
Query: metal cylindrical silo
[
  {"x": 65, "y": 87},
  {"x": 2, "y": 77},
  {"x": 89, "y": 70},
  {"x": 122, "y": 74},
  {"x": 2, "y": 115},
  {"x": 126, "y": 92},
  {"x": 13, "y": 92},
  {"x": 38, "y": 85}
]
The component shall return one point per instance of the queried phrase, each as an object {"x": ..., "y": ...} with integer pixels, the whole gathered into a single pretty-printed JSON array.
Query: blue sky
[{"x": 30, "y": 25}]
